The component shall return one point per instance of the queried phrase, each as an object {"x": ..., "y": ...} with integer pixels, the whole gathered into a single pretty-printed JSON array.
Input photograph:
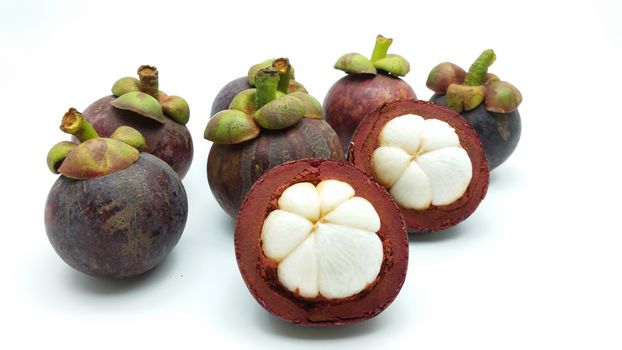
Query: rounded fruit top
[
  {"x": 95, "y": 156},
  {"x": 355, "y": 63},
  {"x": 467, "y": 90},
  {"x": 143, "y": 97},
  {"x": 267, "y": 106}
]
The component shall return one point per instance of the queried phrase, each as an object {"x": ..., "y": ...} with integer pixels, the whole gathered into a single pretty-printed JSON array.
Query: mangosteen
[
  {"x": 320, "y": 243},
  {"x": 369, "y": 84},
  {"x": 429, "y": 159},
  {"x": 489, "y": 104},
  {"x": 160, "y": 118},
  {"x": 261, "y": 129},
  {"x": 114, "y": 212},
  {"x": 287, "y": 84}
]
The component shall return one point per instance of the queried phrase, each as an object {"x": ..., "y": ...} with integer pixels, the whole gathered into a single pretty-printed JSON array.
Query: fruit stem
[
  {"x": 266, "y": 84},
  {"x": 381, "y": 48},
  {"x": 148, "y": 76},
  {"x": 74, "y": 123},
  {"x": 284, "y": 69},
  {"x": 479, "y": 68}
]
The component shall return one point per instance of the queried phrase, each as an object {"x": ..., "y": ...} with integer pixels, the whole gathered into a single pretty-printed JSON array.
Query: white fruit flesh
[
  {"x": 324, "y": 240},
  {"x": 421, "y": 163}
]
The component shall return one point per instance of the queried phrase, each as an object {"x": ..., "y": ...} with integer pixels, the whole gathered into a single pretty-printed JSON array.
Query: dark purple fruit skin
[
  {"x": 233, "y": 169},
  {"x": 354, "y": 96},
  {"x": 170, "y": 141},
  {"x": 118, "y": 225},
  {"x": 498, "y": 132},
  {"x": 227, "y": 93}
]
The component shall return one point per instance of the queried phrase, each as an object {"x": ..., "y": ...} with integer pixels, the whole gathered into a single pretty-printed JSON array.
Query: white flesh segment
[
  {"x": 412, "y": 190},
  {"x": 356, "y": 212},
  {"x": 332, "y": 193},
  {"x": 299, "y": 270},
  {"x": 348, "y": 259},
  {"x": 438, "y": 134},
  {"x": 389, "y": 163},
  {"x": 403, "y": 132},
  {"x": 449, "y": 171},
  {"x": 301, "y": 199},
  {"x": 282, "y": 232}
]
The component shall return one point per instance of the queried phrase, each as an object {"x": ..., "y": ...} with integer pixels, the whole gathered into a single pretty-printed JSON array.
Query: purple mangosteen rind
[{"x": 118, "y": 225}]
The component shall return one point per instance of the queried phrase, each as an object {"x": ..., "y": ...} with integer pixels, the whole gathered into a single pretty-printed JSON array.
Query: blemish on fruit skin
[{"x": 503, "y": 126}]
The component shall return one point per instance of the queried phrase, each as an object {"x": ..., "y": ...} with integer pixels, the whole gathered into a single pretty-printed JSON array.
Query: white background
[{"x": 538, "y": 266}]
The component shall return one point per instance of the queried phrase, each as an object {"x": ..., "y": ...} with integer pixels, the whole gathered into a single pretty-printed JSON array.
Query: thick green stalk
[
  {"x": 284, "y": 69},
  {"x": 266, "y": 83},
  {"x": 381, "y": 48},
  {"x": 74, "y": 123},
  {"x": 148, "y": 76},
  {"x": 479, "y": 68}
]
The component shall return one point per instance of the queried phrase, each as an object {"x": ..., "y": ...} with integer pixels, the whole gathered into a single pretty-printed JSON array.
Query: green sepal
[
  {"x": 394, "y": 64},
  {"x": 463, "y": 98},
  {"x": 176, "y": 108},
  {"x": 58, "y": 153},
  {"x": 280, "y": 113},
  {"x": 125, "y": 85},
  {"x": 230, "y": 127},
  {"x": 313, "y": 108},
  {"x": 142, "y": 104},
  {"x": 502, "y": 97},
  {"x": 98, "y": 157},
  {"x": 355, "y": 63},
  {"x": 129, "y": 136}
]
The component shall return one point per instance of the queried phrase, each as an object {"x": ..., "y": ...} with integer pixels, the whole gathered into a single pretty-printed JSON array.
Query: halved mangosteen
[
  {"x": 318, "y": 242},
  {"x": 429, "y": 159}
]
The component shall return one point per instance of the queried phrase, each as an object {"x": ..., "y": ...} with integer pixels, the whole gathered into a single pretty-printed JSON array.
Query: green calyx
[
  {"x": 477, "y": 86},
  {"x": 502, "y": 97},
  {"x": 130, "y": 93},
  {"x": 95, "y": 156},
  {"x": 264, "y": 107},
  {"x": 355, "y": 63},
  {"x": 142, "y": 104},
  {"x": 230, "y": 127},
  {"x": 279, "y": 63}
]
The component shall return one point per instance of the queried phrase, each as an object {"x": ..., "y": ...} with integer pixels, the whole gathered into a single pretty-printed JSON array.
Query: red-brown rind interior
[
  {"x": 435, "y": 218},
  {"x": 260, "y": 273}
]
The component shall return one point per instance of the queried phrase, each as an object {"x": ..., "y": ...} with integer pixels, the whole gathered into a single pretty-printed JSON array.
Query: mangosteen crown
[
  {"x": 465, "y": 91},
  {"x": 95, "y": 156},
  {"x": 355, "y": 63},
  {"x": 264, "y": 107},
  {"x": 143, "y": 97}
]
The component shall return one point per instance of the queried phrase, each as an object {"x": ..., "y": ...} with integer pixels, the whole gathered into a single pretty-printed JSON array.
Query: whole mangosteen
[
  {"x": 287, "y": 84},
  {"x": 320, "y": 243},
  {"x": 490, "y": 105},
  {"x": 261, "y": 129},
  {"x": 114, "y": 212},
  {"x": 160, "y": 118},
  {"x": 369, "y": 84},
  {"x": 429, "y": 159}
]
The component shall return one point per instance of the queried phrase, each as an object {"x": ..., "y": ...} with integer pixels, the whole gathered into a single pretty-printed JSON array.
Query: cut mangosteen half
[
  {"x": 427, "y": 157},
  {"x": 320, "y": 243}
]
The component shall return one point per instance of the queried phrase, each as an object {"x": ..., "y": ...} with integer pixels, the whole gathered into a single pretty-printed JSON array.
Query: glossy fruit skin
[
  {"x": 170, "y": 141},
  {"x": 260, "y": 273},
  {"x": 119, "y": 225},
  {"x": 233, "y": 169},
  {"x": 354, "y": 96},
  {"x": 498, "y": 132},
  {"x": 227, "y": 93}
]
